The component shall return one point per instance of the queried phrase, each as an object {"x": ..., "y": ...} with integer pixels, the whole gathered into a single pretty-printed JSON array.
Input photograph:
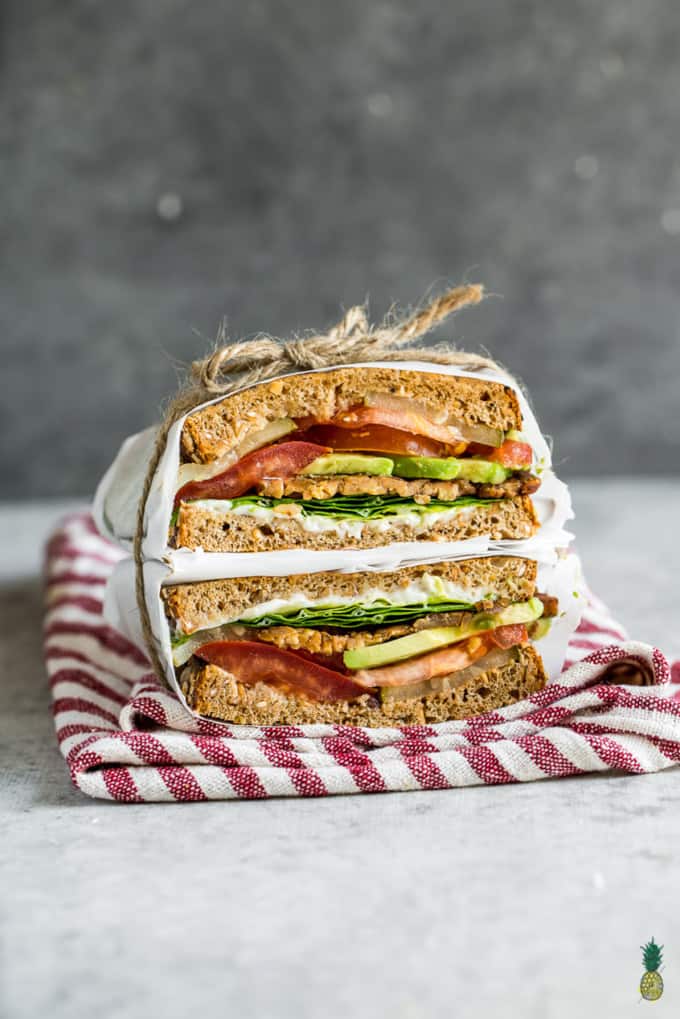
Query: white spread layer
[{"x": 314, "y": 523}]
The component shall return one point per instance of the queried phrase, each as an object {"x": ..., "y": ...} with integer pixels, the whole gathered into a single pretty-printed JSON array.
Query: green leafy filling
[
  {"x": 357, "y": 616},
  {"x": 361, "y": 507},
  {"x": 180, "y": 638}
]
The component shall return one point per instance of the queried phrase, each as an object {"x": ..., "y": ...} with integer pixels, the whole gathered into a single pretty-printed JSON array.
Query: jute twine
[{"x": 353, "y": 340}]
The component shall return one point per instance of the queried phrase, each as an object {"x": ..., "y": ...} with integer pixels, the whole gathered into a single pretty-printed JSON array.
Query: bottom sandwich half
[{"x": 416, "y": 645}]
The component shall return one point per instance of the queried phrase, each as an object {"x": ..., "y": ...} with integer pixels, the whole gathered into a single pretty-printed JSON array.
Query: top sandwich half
[{"x": 355, "y": 458}]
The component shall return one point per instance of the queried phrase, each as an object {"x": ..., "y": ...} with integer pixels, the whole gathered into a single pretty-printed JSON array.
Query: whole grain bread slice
[
  {"x": 214, "y": 693},
  {"x": 211, "y": 432},
  {"x": 203, "y": 604},
  {"x": 201, "y": 525}
]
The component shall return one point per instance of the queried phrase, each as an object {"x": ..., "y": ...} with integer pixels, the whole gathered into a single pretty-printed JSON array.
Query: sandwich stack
[{"x": 373, "y": 544}]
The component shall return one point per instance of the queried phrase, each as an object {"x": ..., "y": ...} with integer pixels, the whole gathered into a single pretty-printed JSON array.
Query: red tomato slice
[
  {"x": 508, "y": 636},
  {"x": 253, "y": 662},
  {"x": 374, "y": 439},
  {"x": 334, "y": 661},
  {"x": 282, "y": 461},
  {"x": 510, "y": 454},
  {"x": 405, "y": 421}
]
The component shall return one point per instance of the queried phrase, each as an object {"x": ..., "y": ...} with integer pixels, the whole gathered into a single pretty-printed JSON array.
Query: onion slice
[
  {"x": 469, "y": 433},
  {"x": 442, "y": 684},
  {"x": 271, "y": 432}
]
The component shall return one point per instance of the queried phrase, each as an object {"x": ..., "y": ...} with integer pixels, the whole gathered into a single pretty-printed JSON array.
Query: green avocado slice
[
  {"x": 482, "y": 472},
  {"x": 349, "y": 463},
  {"x": 440, "y": 636},
  {"x": 541, "y": 629}
]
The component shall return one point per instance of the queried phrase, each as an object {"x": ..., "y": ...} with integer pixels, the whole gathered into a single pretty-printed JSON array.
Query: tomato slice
[
  {"x": 300, "y": 674},
  {"x": 374, "y": 439},
  {"x": 278, "y": 461},
  {"x": 510, "y": 454},
  {"x": 252, "y": 662},
  {"x": 509, "y": 636}
]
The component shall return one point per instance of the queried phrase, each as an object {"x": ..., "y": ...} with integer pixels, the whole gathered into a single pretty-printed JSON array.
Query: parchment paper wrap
[{"x": 115, "y": 512}]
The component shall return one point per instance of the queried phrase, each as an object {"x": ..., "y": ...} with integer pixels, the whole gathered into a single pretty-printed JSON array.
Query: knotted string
[{"x": 352, "y": 340}]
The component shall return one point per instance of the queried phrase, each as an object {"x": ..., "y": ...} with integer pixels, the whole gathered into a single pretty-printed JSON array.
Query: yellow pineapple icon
[{"x": 651, "y": 985}]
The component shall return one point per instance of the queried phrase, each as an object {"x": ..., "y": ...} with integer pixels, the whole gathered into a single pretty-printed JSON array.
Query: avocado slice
[
  {"x": 483, "y": 472},
  {"x": 540, "y": 629},
  {"x": 440, "y": 636},
  {"x": 445, "y": 469},
  {"x": 349, "y": 463}
]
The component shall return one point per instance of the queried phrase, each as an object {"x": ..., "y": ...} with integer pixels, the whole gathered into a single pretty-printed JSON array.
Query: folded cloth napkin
[{"x": 126, "y": 737}]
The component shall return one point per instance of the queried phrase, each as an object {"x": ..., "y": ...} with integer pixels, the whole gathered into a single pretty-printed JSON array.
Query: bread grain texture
[
  {"x": 215, "y": 693},
  {"x": 201, "y": 526},
  {"x": 213, "y": 431},
  {"x": 195, "y": 606}
]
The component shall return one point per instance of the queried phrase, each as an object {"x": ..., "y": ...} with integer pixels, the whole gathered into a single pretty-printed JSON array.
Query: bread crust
[
  {"x": 214, "y": 693},
  {"x": 199, "y": 526},
  {"x": 213, "y": 431},
  {"x": 194, "y": 606}
]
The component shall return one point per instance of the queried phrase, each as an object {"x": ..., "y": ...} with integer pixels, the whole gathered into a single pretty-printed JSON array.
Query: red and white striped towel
[{"x": 125, "y": 737}]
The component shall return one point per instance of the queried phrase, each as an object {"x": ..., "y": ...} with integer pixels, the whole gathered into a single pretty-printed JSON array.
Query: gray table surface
[{"x": 523, "y": 900}]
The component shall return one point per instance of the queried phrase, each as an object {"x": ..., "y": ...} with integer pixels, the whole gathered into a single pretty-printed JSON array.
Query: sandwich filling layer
[
  {"x": 500, "y": 678},
  {"x": 408, "y": 644},
  {"x": 384, "y": 462},
  {"x": 348, "y": 517}
]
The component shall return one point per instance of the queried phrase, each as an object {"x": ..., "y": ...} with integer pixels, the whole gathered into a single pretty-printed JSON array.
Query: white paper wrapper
[
  {"x": 565, "y": 581},
  {"x": 561, "y": 577},
  {"x": 185, "y": 566},
  {"x": 117, "y": 497},
  {"x": 115, "y": 511}
]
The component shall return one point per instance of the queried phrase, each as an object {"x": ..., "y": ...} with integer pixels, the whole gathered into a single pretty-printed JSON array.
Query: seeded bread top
[
  {"x": 211, "y": 432},
  {"x": 194, "y": 606}
]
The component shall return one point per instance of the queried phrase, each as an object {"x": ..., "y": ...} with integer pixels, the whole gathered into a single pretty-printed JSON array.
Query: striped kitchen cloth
[{"x": 126, "y": 737}]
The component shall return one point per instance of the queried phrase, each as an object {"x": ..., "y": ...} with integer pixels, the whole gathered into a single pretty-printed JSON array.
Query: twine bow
[{"x": 353, "y": 340}]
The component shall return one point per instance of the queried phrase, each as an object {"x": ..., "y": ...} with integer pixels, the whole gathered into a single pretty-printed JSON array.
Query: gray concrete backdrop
[{"x": 165, "y": 162}]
